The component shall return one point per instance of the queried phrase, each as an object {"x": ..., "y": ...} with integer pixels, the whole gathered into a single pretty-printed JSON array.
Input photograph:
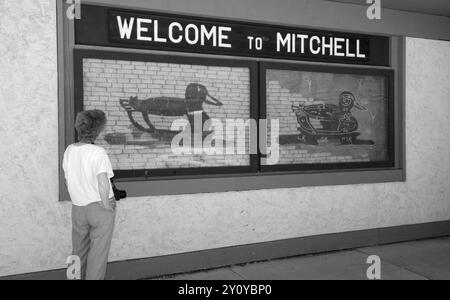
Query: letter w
[{"x": 125, "y": 28}]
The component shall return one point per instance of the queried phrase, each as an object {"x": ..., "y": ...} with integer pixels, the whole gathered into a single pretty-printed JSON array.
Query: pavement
[{"x": 418, "y": 260}]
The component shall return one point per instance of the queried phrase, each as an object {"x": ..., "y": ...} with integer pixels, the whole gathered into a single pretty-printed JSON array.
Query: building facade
[{"x": 35, "y": 226}]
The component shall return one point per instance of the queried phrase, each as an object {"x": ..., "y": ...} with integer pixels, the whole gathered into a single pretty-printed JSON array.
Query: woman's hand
[
  {"x": 110, "y": 205},
  {"x": 104, "y": 187},
  {"x": 113, "y": 203}
]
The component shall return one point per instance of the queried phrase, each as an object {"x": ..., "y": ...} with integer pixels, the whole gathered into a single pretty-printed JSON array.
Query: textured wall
[
  {"x": 35, "y": 227},
  {"x": 108, "y": 81}
]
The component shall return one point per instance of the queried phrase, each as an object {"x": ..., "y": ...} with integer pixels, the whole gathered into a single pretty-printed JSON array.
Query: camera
[{"x": 118, "y": 194}]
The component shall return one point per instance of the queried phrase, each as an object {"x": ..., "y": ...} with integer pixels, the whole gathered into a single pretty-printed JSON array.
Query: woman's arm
[{"x": 104, "y": 186}]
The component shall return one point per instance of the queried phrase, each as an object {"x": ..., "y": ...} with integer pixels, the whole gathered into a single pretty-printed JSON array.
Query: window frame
[
  {"x": 389, "y": 76},
  {"x": 140, "y": 174}
]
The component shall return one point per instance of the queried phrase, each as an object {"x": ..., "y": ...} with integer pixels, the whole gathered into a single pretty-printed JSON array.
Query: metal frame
[{"x": 66, "y": 42}]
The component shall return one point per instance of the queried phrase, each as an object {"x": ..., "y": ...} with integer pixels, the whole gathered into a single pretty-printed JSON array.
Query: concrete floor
[{"x": 420, "y": 260}]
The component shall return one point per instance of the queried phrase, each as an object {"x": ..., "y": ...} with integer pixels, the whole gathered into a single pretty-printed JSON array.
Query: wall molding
[{"x": 222, "y": 257}]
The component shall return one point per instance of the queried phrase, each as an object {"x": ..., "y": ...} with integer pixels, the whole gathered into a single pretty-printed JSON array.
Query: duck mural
[
  {"x": 196, "y": 96},
  {"x": 336, "y": 121}
]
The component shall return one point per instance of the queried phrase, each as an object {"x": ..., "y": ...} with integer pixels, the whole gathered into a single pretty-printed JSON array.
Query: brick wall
[{"x": 108, "y": 81}]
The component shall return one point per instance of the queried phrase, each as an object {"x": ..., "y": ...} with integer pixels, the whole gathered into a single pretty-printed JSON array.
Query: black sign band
[{"x": 135, "y": 29}]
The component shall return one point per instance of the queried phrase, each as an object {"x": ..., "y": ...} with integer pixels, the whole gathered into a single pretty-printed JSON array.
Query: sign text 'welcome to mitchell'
[{"x": 164, "y": 32}]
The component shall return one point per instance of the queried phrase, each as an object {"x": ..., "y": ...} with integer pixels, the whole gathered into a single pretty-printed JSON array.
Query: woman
[{"x": 88, "y": 171}]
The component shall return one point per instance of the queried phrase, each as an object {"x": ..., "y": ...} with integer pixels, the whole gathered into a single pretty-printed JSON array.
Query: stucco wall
[{"x": 35, "y": 227}]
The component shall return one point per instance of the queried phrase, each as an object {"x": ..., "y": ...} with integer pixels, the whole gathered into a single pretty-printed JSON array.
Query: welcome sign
[{"x": 155, "y": 31}]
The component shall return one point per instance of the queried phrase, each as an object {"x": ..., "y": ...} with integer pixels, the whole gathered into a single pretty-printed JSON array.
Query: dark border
[
  {"x": 390, "y": 84},
  {"x": 79, "y": 55},
  {"x": 216, "y": 258},
  {"x": 95, "y": 32},
  {"x": 257, "y": 112}
]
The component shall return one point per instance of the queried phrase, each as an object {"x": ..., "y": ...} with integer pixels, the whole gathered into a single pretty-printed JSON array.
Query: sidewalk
[{"x": 420, "y": 260}]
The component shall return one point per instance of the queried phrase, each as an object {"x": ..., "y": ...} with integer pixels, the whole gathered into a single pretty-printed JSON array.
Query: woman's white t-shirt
[{"x": 82, "y": 164}]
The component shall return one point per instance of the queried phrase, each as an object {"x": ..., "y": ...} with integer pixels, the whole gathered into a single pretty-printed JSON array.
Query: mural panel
[
  {"x": 143, "y": 99},
  {"x": 329, "y": 118}
]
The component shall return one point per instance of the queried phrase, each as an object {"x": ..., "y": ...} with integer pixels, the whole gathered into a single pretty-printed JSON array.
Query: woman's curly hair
[{"x": 89, "y": 124}]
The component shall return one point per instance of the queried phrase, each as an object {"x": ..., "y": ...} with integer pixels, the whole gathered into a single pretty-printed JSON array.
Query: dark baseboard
[{"x": 215, "y": 258}]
